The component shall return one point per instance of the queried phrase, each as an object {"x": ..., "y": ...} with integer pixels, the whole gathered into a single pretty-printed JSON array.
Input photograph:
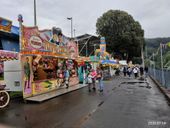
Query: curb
[
  {"x": 52, "y": 94},
  {"x": 160, "y": 88}
]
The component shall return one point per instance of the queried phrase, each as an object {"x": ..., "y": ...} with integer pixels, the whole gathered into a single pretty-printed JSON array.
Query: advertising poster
[{"x": 27, "y": 75}]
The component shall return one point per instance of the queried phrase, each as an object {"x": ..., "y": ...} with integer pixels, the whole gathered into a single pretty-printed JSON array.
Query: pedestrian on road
[
  {"x": 94, "y": 74},
  {"x": 124, "y": 70},
  {"x": 129, "y": 71},
  {"x": 135, "y": 71},
  {"x": 141, "y": 71},
  {"x": 146, "y": 72},
  {"x": 89, "y": 80},
  {"x": 100, "y": 78}
]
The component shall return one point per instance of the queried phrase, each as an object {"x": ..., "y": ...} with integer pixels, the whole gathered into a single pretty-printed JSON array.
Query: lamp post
[
  {"x": 71, "y": 19},
  {"x": 142, "y": 56},
  {"x": 35, "y": 16},
  {"x": 162, "y": 73},
  {"x": 74, "y": 33},
  {"x": 154, "y": 65}
]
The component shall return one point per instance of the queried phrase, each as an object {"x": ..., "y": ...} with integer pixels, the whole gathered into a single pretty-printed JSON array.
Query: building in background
[{"x": 87, "y": 44}]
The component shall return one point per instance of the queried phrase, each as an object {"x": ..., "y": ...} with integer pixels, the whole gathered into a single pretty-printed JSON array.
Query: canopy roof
[
  {"x": 8, "y": 55},
  {"x": 123, "y": 62},
  {"x": 108, "y": 62}
]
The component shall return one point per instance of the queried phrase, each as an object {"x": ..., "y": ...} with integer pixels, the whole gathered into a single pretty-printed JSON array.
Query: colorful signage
[
  {"x": 5, "y": 25},
  {"x": 35, "y": 42},
  {"x": 102, "y": 45},
  {"x": 52, "y": 42}
]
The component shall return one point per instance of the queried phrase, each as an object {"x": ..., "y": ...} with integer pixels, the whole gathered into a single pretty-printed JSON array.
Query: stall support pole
[{"x": 20, "y": 19}]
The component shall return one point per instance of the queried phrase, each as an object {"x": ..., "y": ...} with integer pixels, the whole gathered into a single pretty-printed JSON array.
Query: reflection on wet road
[{"x": 118, "y": 104}]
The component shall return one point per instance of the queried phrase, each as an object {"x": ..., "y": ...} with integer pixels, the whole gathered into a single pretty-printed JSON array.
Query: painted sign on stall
[{"x": 50, "y": 41}]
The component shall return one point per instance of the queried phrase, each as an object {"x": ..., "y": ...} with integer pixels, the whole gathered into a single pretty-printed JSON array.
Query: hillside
[{"x": 152, "y": 44}]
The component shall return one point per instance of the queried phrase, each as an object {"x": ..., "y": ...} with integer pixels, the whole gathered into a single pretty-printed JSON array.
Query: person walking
[
  {"x": 124, "y": 70},
  {"x": 100, "y": 78},
  {"x": 135, "y": 71},
  {"x": 146, "y": 71},
  {"x": 94, "y": 74},
  {"x": 89, "y": 80},
  {"x": 141, "y": 71},
  {"x": 129, "y": 71}
]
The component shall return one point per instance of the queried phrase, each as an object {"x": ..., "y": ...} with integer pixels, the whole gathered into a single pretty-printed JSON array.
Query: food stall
[
  {"x": 94, "y": 61},
  {"x": 106, "y": 62},
  {"x": 83, "y": 62},
  {"x": 44, "y": 56}
]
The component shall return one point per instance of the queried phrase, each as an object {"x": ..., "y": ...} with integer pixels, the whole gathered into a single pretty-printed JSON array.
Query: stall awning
[
  {"x": 8, "y": 55},
  {"x": 94, "y": 58},
  {"x": 108, "y": 62},
  {"x": 123, "y": 62}
]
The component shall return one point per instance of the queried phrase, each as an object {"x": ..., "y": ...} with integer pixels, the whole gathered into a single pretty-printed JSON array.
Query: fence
[{"x": 157, "y": 75}]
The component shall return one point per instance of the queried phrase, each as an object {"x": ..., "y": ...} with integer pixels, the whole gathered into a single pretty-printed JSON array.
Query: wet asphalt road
[{"x": 123, "y": 105}]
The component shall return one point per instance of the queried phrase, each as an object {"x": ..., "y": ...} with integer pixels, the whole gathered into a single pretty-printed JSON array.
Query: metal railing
[{"x": 157, "y": 75}]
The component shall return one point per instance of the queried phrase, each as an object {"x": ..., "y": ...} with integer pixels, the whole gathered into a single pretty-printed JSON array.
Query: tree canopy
[{"x": 123, "y": 34}]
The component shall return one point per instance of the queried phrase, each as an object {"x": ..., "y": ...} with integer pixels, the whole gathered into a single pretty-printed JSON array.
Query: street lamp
[
  {"x": 74, "y": 33},
  {"x": 71, "y": 19},
  {"x": 35, "y": 16}
]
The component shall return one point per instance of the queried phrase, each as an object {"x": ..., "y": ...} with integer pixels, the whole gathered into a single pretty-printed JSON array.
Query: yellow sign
[{"x": 5, "y": 25}]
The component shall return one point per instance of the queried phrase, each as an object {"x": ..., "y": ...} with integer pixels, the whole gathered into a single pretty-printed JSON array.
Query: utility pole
[
  {"x": 71, "y": 19},
  {"x": 74, "y": 33},
  {"x": 20, "y": 19},
  {"x": 163, "y": 79},
  {"x": 35, "y": 16},
  {"x": 142, "y": 56},
  {"x": 154, "y": 65}
]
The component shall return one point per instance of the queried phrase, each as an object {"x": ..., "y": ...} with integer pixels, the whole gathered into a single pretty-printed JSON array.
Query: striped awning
[{"x": 8, "y": 55}]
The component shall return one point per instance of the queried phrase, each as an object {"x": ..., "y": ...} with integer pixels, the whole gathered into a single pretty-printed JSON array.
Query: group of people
[
  {"x": 135, "y": 70},
  {"x": 91, "y": 77}
]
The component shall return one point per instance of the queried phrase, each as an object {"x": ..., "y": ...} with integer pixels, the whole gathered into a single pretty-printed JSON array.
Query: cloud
[{"x": 153, "y": 15}]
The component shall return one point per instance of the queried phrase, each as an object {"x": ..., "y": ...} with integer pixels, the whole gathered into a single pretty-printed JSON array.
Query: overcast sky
[{"x": 153, "y": 15}]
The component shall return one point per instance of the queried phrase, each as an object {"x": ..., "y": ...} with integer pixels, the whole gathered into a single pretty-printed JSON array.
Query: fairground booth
[
  {"x": 83, "y": 64},
  {"x": 45, "y": 55},
  {"x": 106, "y": 62}
]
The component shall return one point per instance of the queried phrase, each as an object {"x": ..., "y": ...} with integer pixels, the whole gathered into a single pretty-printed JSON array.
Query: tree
[{"x": 123, "y": 34}]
